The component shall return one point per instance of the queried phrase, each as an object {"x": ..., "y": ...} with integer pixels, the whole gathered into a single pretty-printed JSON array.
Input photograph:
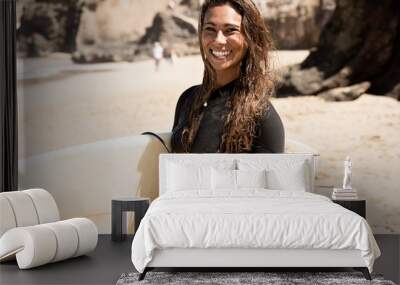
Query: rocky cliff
[
  {"x": 46, "y": 26},
  {"x": 115, "y": 30}
]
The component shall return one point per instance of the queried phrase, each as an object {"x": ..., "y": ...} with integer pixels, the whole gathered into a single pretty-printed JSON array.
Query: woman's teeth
[{"x": 220, "y": 54}]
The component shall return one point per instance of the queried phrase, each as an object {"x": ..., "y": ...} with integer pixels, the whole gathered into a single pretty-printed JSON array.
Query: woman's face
[{"x": 223, "y": 42}]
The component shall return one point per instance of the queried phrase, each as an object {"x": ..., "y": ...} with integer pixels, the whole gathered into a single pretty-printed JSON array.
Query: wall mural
[{"x": 96, "y": 71}]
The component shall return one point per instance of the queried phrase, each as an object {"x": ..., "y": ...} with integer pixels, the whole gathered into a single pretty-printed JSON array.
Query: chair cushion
[
  {"x": 27, "y": 208},
  {"x": 23, "y": 208},
  {"x": 40, "y": 244},
  {"x": 7, "y": 215},
  {"x": 46, "y": 207}
]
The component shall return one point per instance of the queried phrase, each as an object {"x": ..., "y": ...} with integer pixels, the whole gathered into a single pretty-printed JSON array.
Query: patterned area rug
[{"x": 244, "y": 278}]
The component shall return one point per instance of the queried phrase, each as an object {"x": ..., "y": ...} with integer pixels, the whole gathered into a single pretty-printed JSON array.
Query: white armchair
[{"x": 31, "y": 230}]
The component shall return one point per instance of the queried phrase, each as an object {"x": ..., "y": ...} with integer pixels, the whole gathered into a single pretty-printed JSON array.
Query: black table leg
[{"x": 116, "y": 224}]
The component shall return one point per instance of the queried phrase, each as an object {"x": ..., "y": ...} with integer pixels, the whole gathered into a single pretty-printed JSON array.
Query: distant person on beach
[
  {"x": 158, "y": 51},
  {"x": 230, "y": 111}
]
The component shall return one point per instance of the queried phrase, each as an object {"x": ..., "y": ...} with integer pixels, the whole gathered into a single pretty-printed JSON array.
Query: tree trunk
[{"x": 361, "y": 43}]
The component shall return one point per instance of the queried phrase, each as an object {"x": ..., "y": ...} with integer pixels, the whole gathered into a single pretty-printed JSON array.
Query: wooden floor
[{"x": 111, "y": 259}]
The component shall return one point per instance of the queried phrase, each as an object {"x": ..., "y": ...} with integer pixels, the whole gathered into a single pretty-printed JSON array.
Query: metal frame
[{"x": 363, "y": 270}]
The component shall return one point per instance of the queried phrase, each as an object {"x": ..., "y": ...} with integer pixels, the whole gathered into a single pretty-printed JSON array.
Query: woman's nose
[{"x": 220, "y": 38}]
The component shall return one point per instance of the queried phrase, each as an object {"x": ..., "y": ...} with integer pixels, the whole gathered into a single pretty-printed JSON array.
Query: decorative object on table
[
  {"x": 126, "y": 204},
  {"x": 346, "y": 192},
  {"x": 31, "y": 230},
  {"x": 244, "y": 278},
  {"x": 343, "y": 194},
  {"x": 357, "y": 206},
  {"x": 347, "y": 173}
]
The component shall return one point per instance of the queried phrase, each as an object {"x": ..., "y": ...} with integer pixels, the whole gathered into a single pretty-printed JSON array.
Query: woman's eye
[
  {"x": 231, "y": 31},
  {"x": 209, "y": 29}
]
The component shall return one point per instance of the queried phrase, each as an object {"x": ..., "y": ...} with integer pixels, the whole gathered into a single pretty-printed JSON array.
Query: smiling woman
[
  {"x": 230, "y": 111},
  {"x": 223, "y": 42}
]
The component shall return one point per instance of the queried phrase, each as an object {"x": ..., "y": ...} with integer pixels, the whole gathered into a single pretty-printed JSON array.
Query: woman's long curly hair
[{"x": 251, "y": 91}]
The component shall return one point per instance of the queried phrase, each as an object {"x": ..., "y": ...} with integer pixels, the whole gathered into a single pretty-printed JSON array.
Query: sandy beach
[{"x": 63, "y": 104}]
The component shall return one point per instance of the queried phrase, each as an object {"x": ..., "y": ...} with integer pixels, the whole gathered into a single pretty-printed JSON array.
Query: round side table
[{"x": 126, "y": 204}]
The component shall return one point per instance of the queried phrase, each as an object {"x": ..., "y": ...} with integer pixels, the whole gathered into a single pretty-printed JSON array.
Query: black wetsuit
[{"x": 269, "y": 138}]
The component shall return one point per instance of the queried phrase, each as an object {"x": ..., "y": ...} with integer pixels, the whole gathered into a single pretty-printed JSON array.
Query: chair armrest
[{"x": 45, "y": 243}]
